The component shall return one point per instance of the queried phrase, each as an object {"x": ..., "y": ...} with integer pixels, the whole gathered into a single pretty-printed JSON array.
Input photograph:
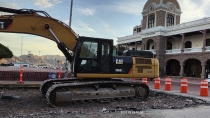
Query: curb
[{"x": 207, "y": 99}]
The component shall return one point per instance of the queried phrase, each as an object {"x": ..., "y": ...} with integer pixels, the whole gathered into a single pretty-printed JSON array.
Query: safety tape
[
  {"x": 157, "y": 81},
  {"x": 204, "y": 86},
  {"x": 183, "y": 84},
  {"x": 204, "y": 82}
]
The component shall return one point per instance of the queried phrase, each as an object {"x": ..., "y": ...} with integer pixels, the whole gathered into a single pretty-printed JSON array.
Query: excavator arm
[{"x": 39, "y": 23}]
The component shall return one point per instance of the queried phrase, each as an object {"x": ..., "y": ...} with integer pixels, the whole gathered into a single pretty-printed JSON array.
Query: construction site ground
[{"x": 28, "y": 102}]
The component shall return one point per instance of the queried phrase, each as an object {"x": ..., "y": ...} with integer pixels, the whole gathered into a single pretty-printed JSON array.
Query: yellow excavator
[{"x": 96, "y": 72}]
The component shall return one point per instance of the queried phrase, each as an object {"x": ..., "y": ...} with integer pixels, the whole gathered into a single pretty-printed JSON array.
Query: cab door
[
  {"x": 88, "y": 58},
  {"x": 106, "y": 56}
]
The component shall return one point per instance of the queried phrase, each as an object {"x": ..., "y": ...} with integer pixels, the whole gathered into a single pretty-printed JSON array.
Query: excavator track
[
  {"x": 48, "y": 83},
  {"x": 67, "y": 93}
]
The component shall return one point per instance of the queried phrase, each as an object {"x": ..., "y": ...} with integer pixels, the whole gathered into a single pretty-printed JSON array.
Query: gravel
[{"x": 29, "y": 103}]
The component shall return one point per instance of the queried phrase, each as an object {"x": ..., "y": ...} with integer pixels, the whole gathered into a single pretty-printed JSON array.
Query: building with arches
[{"x": 182, "y": 49}]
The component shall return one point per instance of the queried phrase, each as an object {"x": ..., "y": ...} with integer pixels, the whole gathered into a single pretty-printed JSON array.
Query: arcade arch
[{"x": 192, "y": 68}]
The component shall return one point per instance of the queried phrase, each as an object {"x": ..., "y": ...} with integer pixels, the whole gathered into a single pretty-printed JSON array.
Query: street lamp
[
  {"x": 39, "y": 57},
  {"x": 29, "y": 55},
  {"x": 21, "y": 52},
  {"x": 70, "y": 13}
]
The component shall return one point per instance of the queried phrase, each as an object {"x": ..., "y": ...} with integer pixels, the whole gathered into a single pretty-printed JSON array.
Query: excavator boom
[{"x": 31, "y": 22}]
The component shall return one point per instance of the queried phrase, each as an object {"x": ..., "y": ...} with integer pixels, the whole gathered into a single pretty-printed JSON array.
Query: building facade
[{"x": 182, "y": 49}]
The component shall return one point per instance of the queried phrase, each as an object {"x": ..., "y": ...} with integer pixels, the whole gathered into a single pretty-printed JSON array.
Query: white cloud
[
  {"x": 86, "y": 11},
  {"x": 67, "y": 22},
  {"x": 85, "y": 26},
  {"x": 43, "y": 3},
  {"x": 129, "y": 7},
  {"x": 8, "y": 5},
  {"x": 192, "y": 10},
  {"x": 57, "y": 1}
]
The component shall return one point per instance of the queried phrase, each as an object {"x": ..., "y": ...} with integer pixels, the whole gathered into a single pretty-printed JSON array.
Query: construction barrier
[
  {"x": 157, "y": 83},
  {"x": 134, "y": 79},
  {"x": 29, "y": 74},
  {"x": 21, "y": 74},
  {"x": 184, "y": 86},
  {"x": 59, "y": 73},
  {"x": 144, "y": 80},
  {"x": 204, "y": 88},
  {"x": 168, "y": 84}
]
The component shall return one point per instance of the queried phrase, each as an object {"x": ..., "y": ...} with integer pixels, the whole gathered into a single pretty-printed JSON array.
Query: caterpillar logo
[
  {"x": 119, "y": 61},
  {"x": 5, "y": 23}
]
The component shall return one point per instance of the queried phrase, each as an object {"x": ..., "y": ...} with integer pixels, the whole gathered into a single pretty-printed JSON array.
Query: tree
[
  {"x": 5, "y": 52},
  {"x": 121, "y": 47}
]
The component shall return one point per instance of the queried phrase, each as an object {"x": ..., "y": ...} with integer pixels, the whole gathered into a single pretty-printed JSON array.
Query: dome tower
[{"x": 161, "y": 13}]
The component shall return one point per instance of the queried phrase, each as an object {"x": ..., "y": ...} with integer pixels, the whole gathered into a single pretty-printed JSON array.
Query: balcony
[
  {"x": 191, "y": 50},
  {"x": 186, "y": 50},
  {"x": 153, "y": 51},
  {"x": 129, "y": 39},
  {"x": 174, "y": 51},
  {"x": 207, "y": 48}
]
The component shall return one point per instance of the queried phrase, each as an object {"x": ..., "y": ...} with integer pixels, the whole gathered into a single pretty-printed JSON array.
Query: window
[
  {"x": 88, "y": 58},
  {"x": 89, "y": 50},
  {"x": 139, "y": 30},
  {"x": 169, "y": 45},
  {"x": 151, "y": 21},
  {"x": 208, "y": 42},
  {"x": 150, "y": 44},
  {"x": 170, "y": 20},
  {"x": 188, "y": 44},
  {"x": 105, "y": 49}
]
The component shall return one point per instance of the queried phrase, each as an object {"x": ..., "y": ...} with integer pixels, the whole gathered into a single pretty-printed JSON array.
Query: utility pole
[
  {"x": 70, "y": 13},
  {"x": 21, "y": 45},
  {"x": 67, "y": 65},
  {"x": 39, "y": 58},
  {"x": 29, "y": 57}
]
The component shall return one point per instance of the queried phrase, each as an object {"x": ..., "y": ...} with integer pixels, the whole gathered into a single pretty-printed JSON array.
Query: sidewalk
[
  {"x": 30, "y": 84},
  {"x": 196, "y": 81}
]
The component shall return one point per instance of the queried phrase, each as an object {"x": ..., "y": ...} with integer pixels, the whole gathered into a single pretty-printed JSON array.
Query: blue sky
[{"x": 95, "y": 18}]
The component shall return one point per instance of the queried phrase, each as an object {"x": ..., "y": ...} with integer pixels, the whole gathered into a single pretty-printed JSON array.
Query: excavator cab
[{"x": 93, "y": 55}]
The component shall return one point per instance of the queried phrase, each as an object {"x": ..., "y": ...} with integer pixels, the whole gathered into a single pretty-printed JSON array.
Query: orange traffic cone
[
  {"x": 168, "y": 84},
  {"x": 134, "y": 79},
  {"x": 184, "y": 86},
  {"x": 21, "y": 75},
  {"x": 144, "y": 80},
  {"x": 59, "y": 73},
  {"x": 204, "y": 88},
  {"x": 157, "y": 83}
]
